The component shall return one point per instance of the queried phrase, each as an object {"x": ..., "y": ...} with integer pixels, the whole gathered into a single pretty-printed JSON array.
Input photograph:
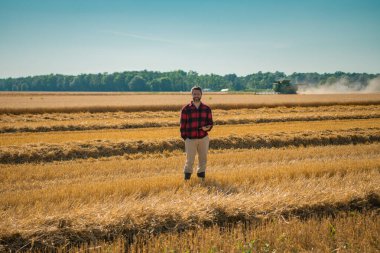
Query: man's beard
[{"x": 196, "y": 99}]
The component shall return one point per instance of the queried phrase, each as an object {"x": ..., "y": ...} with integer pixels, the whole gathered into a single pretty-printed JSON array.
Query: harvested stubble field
[
  {"x": 85, "y": 121},
  {"x": 279, "y": 179}
]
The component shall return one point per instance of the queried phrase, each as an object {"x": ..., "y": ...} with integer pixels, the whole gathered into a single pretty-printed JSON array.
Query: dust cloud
[{"x": 342, "y": 86}]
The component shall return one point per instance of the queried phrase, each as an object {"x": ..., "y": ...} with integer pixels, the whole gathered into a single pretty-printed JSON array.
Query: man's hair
[{"x": 196, "y": 88}]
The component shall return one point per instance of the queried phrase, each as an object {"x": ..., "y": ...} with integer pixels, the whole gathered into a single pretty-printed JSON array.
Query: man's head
[{"x": 196, "y": 92}]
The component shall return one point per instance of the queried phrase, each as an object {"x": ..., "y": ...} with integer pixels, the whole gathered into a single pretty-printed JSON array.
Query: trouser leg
[
  {"x": 191, "y": 149},
  {"x": 202, "y": 155}
]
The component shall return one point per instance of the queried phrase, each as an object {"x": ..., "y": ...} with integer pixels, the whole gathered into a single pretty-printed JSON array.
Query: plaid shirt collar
[{"x": 192, "y": 104}]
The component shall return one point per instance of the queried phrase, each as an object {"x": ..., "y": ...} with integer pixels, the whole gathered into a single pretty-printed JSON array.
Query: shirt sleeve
[
  {"x": 209, "y": 120},
  {"x": 183, "y": 124}
]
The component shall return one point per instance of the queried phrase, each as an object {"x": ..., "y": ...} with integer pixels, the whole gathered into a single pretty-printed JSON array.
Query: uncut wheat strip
[
  {"x": 164, "y": 122},
  {"x": 69, "y": 118},
  {"x": 191, "y": 206},
  {"x": 173, "y": 132},
  {"x": 15, "y": 177},
  {"x": 19, "y": 105},
  {"x": 79, "y": 150}
]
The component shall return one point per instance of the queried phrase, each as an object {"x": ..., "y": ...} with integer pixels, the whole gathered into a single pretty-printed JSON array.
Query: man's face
[{"x": 197, "y": 95}]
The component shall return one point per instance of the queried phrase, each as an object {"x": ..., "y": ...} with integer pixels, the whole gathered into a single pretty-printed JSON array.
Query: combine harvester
[{"x": 285, "y": 87}]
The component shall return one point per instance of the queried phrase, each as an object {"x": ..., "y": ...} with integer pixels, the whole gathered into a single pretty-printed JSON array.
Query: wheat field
[
  {"x": 291, "y": 178},
  {"x": 29, "y": 102}
]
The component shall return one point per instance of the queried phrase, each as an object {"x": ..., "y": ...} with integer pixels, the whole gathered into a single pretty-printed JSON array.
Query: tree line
[{"x": 178, "y": 80}]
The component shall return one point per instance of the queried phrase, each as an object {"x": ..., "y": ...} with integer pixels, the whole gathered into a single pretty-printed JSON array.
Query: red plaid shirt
[{"x": 193, "y": 119}]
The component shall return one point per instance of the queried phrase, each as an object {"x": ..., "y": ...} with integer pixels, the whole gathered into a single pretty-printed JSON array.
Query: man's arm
[
  {"x": 183, "y": 124},
  {"x": 210, "y": 122}
]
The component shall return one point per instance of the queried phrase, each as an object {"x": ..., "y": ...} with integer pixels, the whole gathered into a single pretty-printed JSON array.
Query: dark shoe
[
  {"x": 201, "y": 175},
  {"x": 187, "y": 176}
]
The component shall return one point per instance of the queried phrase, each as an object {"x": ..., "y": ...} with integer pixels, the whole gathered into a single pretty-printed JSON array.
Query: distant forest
[{"x": 172, "y": 81}]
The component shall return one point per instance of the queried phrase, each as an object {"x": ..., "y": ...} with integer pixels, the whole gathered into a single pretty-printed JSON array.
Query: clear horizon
[{"x": 71, "y": 37}]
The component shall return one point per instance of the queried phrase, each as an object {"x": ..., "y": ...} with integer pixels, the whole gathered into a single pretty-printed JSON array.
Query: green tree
[{"x": 138, "y": 84}]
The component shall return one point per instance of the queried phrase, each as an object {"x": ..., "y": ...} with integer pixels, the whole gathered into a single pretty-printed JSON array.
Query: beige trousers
[{"x": 192, "y": 146}]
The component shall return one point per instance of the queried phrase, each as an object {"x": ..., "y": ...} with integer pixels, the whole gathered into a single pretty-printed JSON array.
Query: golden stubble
[{"x": 133, "y": 182}]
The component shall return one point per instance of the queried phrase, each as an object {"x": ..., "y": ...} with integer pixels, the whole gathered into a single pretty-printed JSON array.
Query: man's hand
[{"x": 206, "y": 128}]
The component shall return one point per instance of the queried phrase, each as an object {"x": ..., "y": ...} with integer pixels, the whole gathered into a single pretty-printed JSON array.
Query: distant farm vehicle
[{"x": 285, "y": 87}]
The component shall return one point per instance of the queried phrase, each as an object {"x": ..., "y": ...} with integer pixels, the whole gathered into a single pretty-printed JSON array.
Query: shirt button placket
[{"x": 197, "y": 123}]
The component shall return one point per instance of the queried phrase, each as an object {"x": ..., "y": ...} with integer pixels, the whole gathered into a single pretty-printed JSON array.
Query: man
[{"x": 196, "y": 122}]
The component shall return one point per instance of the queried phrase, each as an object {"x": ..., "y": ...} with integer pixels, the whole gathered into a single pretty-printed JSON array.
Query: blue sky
[{"x": 209, "y": 36}]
